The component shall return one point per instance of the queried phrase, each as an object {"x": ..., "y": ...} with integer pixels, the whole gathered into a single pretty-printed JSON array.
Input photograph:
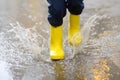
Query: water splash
[
  {"x": 17, "y": 42},
  {"x": 85, "y": 31}
]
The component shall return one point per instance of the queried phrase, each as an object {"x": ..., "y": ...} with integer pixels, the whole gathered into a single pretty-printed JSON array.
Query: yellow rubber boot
[
  {"x": 56, "y": 47},
  {"x": 74, "y": 33}
]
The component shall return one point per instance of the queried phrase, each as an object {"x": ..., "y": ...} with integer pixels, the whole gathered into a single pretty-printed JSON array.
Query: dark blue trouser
[{"x": 57, "y": 10}]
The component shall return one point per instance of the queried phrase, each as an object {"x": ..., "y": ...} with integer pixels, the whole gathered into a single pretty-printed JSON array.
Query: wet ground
[{"x": 24, "y": 43}]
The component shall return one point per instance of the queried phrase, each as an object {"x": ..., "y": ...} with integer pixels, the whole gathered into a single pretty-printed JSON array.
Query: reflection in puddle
[
  {"x": 4, "y": 74},
  {"x": 101, "y": 70},
  {"x": 59, "y": 70}
]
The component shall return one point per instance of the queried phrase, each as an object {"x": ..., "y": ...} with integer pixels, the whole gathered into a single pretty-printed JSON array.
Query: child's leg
[
  {"x": 57, "y": 10},
  {"x": 74, "y": 35},
  {"x": 75, "y": 6}
]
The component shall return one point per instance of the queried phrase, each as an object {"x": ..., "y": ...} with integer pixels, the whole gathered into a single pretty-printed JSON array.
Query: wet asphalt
[{"x": 24, "y": 43}]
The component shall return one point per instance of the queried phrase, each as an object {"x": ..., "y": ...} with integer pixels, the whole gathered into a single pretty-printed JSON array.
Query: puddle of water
[{"x": 24, "y": 44}]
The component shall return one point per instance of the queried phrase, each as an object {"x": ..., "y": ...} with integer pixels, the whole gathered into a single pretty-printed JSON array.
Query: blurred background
[{"x": 24, "y": 42}]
